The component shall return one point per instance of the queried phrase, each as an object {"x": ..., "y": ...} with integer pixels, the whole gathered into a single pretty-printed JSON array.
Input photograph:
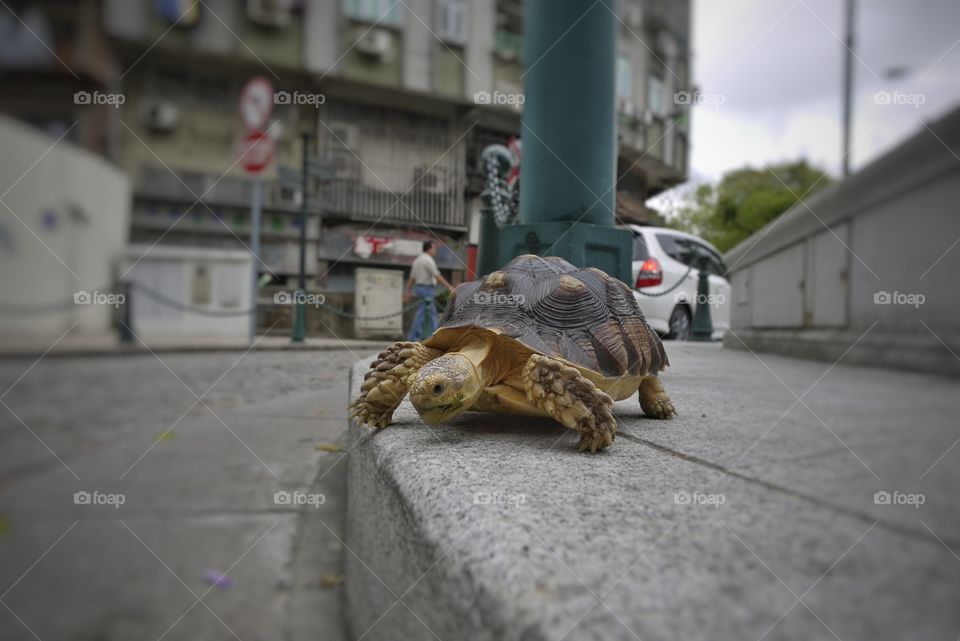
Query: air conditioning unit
[
  {"x": 342, "y": 135},
  {"x": 270, "y": 13},
  {"x": 430, "y": 181},
  {"x": 161, "y": 115},
  {"x": 276, "y": 195},
  {"x": 375, "y": 43},
  {"x": 626, "y": 107}
]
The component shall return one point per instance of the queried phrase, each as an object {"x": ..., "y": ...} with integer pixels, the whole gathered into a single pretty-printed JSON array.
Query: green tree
[{"x": 745, "y": 200}]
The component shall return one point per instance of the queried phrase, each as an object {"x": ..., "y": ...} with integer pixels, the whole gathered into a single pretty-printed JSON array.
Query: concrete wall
[
  {"x": 63, "y": 224},
  {"x": 875, "y": 254}
]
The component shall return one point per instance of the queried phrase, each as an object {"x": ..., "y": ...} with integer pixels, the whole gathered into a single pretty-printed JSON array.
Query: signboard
[
  {"x": 256, "y": 151},
  {"x": 256, "y": 103}
]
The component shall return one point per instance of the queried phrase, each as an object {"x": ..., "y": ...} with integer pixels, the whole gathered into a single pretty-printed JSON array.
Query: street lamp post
[
  {"x": 847, "y": 89},
  {"x": 299, "y": 305},
  {"x": 567, "y": 194}
]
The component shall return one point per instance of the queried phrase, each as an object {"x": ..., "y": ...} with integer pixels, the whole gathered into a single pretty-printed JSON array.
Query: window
[
  {"x": 383, "y": 12},
  {"x": 680, "y": 154},
  {"x": 640, "y": 248},
  {"x": 688, "y": 251},
  {"x": 452, "y": 21},
  {"x": 655, "y": 138},
  {"x": 655, "y": 94},
  {"x": 714, "y": 262},
  {"x": 676, "y": 247},
  {"x": 624, "y": 78}
]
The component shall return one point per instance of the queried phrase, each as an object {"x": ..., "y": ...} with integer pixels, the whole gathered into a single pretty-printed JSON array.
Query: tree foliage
[{"x": 745, "y": 200}]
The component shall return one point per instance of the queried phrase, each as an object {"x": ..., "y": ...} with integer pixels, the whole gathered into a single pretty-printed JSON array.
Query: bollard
[
  {"x": 126, "y": 326},
  {"x": 298, "y": 335},
  {"x": 702, "y": 325}
]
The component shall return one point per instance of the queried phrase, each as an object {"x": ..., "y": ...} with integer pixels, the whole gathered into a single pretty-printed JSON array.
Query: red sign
[
  {"x": 256, "y": 151},
  {"x": 256, "y": 103}
]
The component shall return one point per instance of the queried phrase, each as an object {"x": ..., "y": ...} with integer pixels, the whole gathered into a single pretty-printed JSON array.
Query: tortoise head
[{"x": 444, "y": 387}]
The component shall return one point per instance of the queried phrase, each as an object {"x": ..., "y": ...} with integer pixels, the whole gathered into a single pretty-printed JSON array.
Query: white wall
[
  {"x": 821, "y": 273},
  {"x": 65, "y": 228}
]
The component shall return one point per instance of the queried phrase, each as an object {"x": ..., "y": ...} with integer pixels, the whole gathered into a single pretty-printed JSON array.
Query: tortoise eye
[{"x": 437, "y": 389}]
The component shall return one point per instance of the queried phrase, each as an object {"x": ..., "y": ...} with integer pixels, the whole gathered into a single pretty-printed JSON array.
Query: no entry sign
[{"x": 256, "y": 151}]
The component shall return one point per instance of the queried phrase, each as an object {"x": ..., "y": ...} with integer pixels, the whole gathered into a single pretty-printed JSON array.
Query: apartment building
[{"x": 394, "y": 103}]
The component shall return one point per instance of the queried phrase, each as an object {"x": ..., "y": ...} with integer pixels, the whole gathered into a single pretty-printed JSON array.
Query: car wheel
[{"x": 679, "y": 324}]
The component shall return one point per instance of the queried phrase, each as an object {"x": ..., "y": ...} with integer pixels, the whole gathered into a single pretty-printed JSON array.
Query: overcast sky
[{"x": 776, "y": 65}]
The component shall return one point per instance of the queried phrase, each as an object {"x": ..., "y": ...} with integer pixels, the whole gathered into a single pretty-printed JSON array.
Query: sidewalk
[
  {"x": 110, "y": 345},
  {"x": 199, "y": 486},
  {"x": 788, "y": 500}
]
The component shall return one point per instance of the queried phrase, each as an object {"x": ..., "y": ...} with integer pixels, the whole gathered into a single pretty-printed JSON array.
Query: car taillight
[{"x": 650, "y": 274}]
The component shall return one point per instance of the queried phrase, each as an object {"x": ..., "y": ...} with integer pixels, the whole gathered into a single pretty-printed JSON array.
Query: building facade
[{"x": 398, "y": 97}]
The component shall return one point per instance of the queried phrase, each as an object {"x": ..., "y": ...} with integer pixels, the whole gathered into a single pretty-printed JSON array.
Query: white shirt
[{"x": 424, "y": 270}]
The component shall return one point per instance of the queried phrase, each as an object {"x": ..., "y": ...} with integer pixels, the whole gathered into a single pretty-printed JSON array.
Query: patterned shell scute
[{"x": 554, "y": 308}]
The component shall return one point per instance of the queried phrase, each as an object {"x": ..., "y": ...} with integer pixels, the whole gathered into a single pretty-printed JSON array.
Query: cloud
[{"x": 778, "y": 64}]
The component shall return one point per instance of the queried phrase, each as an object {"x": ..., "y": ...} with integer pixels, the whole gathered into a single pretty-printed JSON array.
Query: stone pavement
[
  {"x": 196, "y": 502},
  {"x": 789, "y": 500}
]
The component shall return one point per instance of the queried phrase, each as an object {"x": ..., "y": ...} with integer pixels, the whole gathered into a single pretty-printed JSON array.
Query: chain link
[
  {"x": 667, "y": 291},
  {"x": 47, "y": 308}
]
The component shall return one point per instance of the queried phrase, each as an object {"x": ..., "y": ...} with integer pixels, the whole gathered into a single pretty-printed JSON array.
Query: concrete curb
[{"x": 494, "y": 527}]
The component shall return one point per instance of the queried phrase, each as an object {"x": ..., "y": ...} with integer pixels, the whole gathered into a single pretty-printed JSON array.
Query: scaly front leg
[
  {"x": 385, "y": 384},
  {"x": 563, "y": 393}
]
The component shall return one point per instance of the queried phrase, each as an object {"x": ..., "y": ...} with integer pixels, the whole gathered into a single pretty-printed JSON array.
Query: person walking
[{"x": 422, "y": 284}]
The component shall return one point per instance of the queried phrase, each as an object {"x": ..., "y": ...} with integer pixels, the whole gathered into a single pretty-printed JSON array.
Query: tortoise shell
[{"x": 581, "y": 315}]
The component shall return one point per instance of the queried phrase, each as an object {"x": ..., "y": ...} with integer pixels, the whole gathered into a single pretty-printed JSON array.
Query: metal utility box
[
  {"x": 208, "y": 290},
  {"x": 379, "y": 293}
]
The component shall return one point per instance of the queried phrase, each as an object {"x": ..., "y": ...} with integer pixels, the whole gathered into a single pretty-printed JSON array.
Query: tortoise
[{"x": 539, "y": 337}]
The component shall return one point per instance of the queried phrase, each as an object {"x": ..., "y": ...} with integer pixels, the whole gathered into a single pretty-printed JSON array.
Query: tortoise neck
[{"x": 476, "y": 348}]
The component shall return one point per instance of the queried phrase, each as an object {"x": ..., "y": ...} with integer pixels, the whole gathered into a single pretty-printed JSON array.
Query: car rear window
[
  {"x": 676, "y": 247},
  {"x": 686, "y": 250},
  {"x": 640, "y": 248}
]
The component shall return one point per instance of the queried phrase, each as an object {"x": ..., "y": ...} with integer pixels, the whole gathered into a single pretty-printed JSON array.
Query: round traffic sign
[
  {"x": 256, "y": 151},
  {"x": 256, "y": 103}
]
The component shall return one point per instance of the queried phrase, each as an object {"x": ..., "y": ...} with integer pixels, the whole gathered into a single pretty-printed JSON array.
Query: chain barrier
[{"x": 48, "y": 308}]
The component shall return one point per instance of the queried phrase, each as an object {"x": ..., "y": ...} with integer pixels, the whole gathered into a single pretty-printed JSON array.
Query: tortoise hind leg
[
  {"x": 654, "y": 400},
  {"x": 385, "y": 384},
  {"x": 564, "y": 394}
]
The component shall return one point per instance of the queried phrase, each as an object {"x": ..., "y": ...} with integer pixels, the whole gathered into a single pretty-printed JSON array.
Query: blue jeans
[{"x": 425, "y": 321}]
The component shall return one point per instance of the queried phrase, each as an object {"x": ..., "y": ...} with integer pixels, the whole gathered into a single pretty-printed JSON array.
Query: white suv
[{"x": 665, "y": 276}]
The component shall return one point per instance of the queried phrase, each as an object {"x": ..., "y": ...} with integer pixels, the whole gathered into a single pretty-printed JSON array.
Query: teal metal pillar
[{"x": 567, "y": 190}]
